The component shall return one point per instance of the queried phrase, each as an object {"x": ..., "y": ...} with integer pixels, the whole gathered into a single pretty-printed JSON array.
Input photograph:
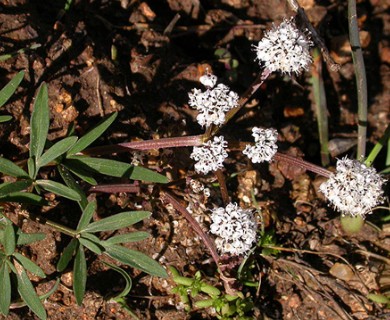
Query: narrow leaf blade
[
  {"x": 67, "y": 255},
  {"x": 127, "y": 278},
  {"x": 28, "y": 293},
  {"x": 115, "y": 168},
  {"x": 90, "y": 245},
  {"x": 5, "y": 118},
  {"x": 9, "y": 240},
  {"x": 39, "y": 122},
  {"x": 136, "y": 259},
  {"x": 5, "y": 283},
  {"x": 79, "y": 275},
  {"x": 71, "y": 183},
  {"x": 86, "y": 215},
  {"x": 59, "y": 189},
  {"x": 10, "y": 88},
  {"x": 27, "y": 238},
  {"x": 117, "y": 221},
  {"x": 29, "y": 265},
  {"x": 24, "y": 197},
  {"x": 92, "y": 135},
  {"x": 128, "y": 237},
  {"x": 56, "y": 150},
  {"x": 9, "y": 187},
  {"x": 10, "y": 169}
]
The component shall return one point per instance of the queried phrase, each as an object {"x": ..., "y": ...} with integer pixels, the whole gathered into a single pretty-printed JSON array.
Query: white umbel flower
[
  {"x": 265, "y": 145},
  {"x": 210, "y": 156},
  {"x": 284, "y": 48},
  {"x": 354, "y": 189},
  {"x": 235, "y": 229},
  {"x": 213, "y": 104}
]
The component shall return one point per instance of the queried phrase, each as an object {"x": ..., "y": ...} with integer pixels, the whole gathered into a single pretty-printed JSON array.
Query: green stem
[
  {"x": 361, "y": 81},
  {"x": 378, "y": 146},
  {"x": 320, "y": 106}
]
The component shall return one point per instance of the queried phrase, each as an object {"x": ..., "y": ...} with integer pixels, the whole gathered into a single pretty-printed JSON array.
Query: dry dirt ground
[{"x": 135, "y": 58}]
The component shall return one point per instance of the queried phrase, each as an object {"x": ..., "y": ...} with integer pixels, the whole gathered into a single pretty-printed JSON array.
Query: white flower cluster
[
  {"x": 212, "y": 104},
  {"x": 284, "y": 48},
  {"x": 265, "y": 145},
  {"x": 354, "y": 189},
  {"x": 235, "y": 227},
  {"x": 210, "y": 156}
]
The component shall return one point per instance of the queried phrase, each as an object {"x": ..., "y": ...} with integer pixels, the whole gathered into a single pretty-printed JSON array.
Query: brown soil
[{"x": 148, "y": 83}]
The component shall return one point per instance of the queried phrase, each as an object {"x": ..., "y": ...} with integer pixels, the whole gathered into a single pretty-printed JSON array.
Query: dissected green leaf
[
  {"x": 90, "y": 245},
  {"x": 114, "y": 168},
  {"x": 86, "y": 215},
  {"x": 117, "y": 221},
  {"x": 5, "y": 118},
  {"x": 24, "y": 197},
  {"x": 67, "y": 255},
  {"x": 136, "y": 259},
  {"x": 59, "y": 189},
  {"x": 5, "y": 284},
  {"x": 9, "y": 240},
  {"x": 9, "y": 187},
  {"x": 39, "y": 123},
  {"x": 10, "y": 88},
  {"x": 72, "y": 183},
  {"x": 10, "y": 169},
  {"x": 56, "y": 150},
  {"x": 27, "y": 238},
  {"x": 127, "y": 278},
  {"x": 128, "y": 237},
  {"x": 29, "y": 265},
  {"x": 79, "y": 275},
  {"x": 28, "y": 293},
  {"x": 92, "y": 135}
]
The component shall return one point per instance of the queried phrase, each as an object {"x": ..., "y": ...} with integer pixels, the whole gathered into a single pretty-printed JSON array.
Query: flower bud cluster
[
  {"x": 235, "y": 229},
  {"x": 265, "y": 145},
  {"x": 354, "y": 189}
]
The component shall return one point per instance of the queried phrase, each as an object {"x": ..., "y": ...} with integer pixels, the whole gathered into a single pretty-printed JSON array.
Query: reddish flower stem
[
  {"x": 115, "y": 188},
  {"x": 222, "y": 186},
  {"x": 165, "y": 196},
  {"x": 303, "y": 164}
]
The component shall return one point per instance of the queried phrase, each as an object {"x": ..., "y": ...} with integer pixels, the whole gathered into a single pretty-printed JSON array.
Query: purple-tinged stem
[
  {"x": 174, "y": 142},
  {"x": 167, "y": 197},
  {"x": 222, "y": 186},
  {"x": 116, "y": 188},
  {"x": 244, "y": 98},
  {"x": 303, "y": 164}
]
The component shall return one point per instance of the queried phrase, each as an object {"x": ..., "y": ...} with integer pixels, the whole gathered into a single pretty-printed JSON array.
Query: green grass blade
[
  {"x": 86, "y": 215},
  {"x": 29, "y": 265},
  {"x": 128, "y": 237},
  {"x": 39, "y": 123},
  {"x": 92, "y": 135},
  {"x": 58, "y": 149},
  {"x": 67, "y": 255},
  {"x": 5, "y": 284},
  {"x": 5, "y": 118},
  {"x": 79, "y": 275},
  {"x": 28, "y": 293},
  {"x": 10, "y": 88},
  {"x": 117, "y": 221},
  {"x": 136, "y": 260},
  {"x": 59, "y": 189},
  {"x": 115, "y": 169},
  {"x": 9, "y": 187},
  {"x": 24, "y": 197},
  {"x": 11, "y": 169},
  {"x": 127, "y": 278},
  {"x": 72, "y": 183}
]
